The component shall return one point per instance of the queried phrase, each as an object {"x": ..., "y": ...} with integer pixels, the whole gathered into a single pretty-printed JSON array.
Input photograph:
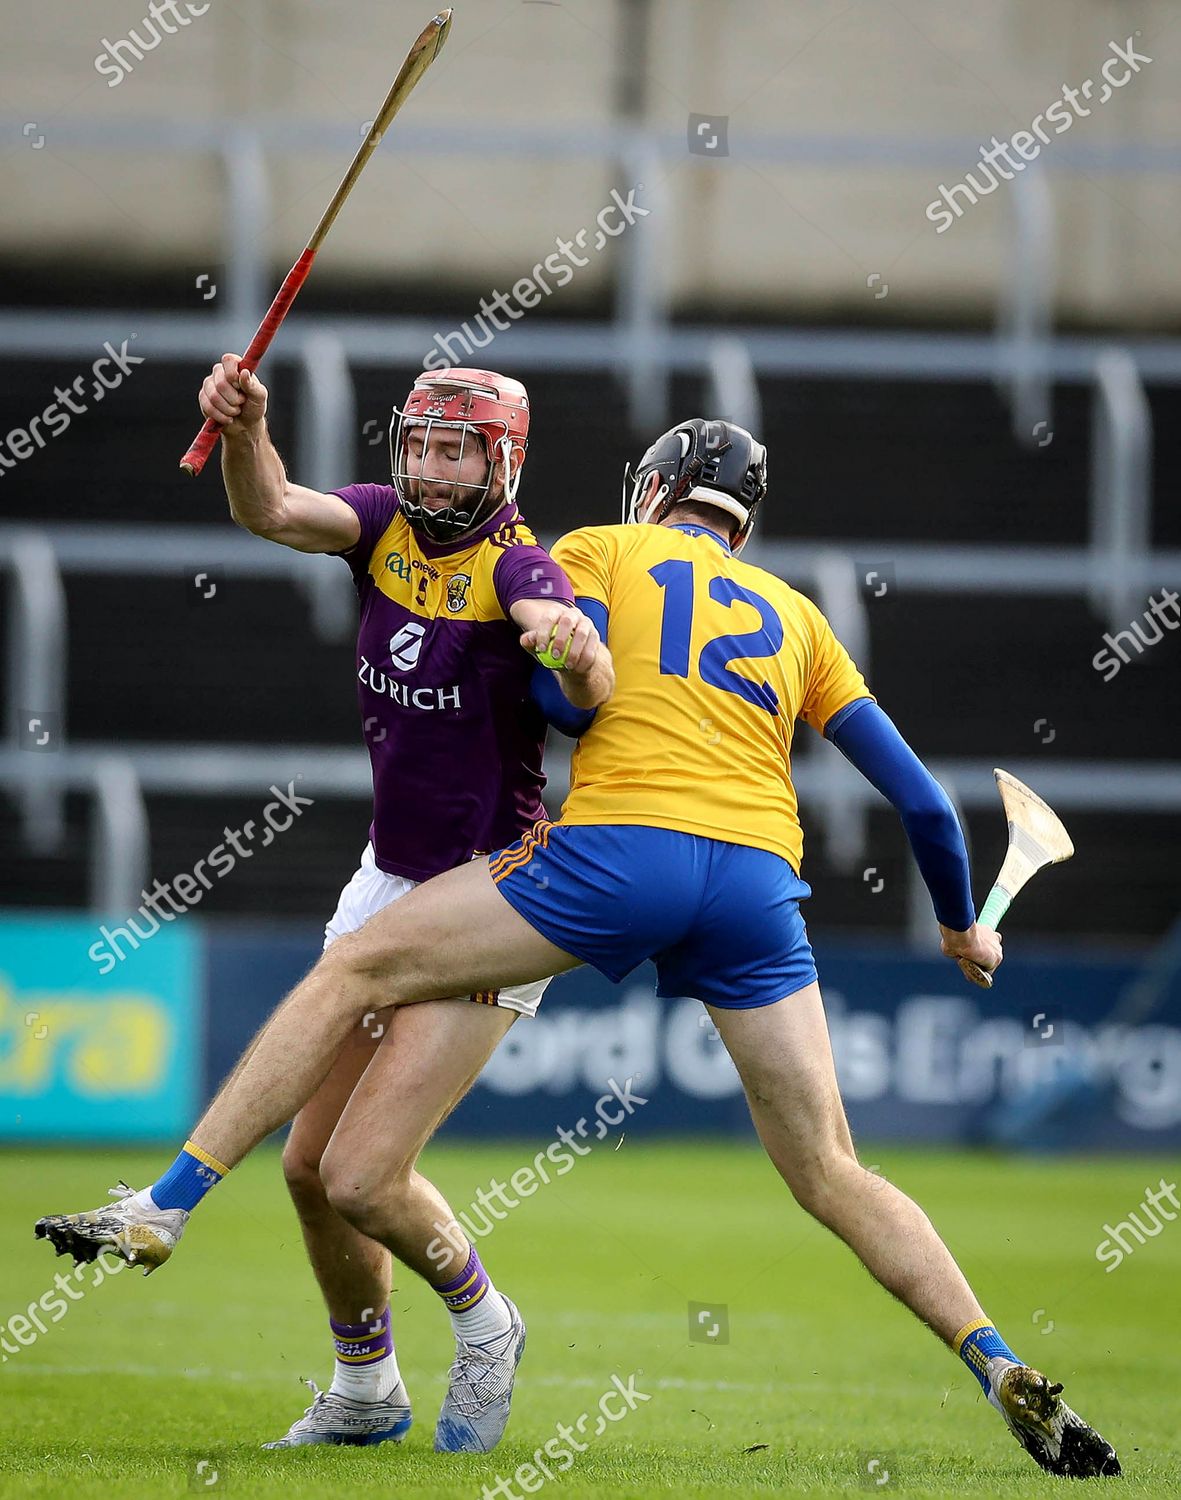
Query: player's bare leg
[
  {"x": 353, "y": 1271},
  {"x": 428, "y": 1062},
  {"x": 447, "y": 937},
  {"x": 367, "y": 1401},
  {"x": 784, "y": 1058},
  {"x": 427, "y": 1059}
]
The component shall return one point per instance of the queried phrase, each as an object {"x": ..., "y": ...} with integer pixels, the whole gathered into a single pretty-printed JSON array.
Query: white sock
[
  {"x": 478, "y": 1312},
  {"x": 373, "y": 1377},
  {"x": 489, "y": 1317},
  {"x": 375, "y": 1382}
]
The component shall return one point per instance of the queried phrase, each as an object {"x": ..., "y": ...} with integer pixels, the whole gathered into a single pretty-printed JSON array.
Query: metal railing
[
  {"x": 639, "y": 347},
  {"x": 941, "y": 569},
  {"x": 36, "y": 708},
  {"x": 326, "y": 413},
  {"x": 642, "y": 350},
  {"x": 119, "y": 783},
  {"x": 1121, "y": 481},
  {"x": 326, "y": 348},
  {"x": 95, "y": 548},
  {"x": 35, "y": 714},
  {"x": 118, "y": 779},
  {"x": 1025, "y": 311}
]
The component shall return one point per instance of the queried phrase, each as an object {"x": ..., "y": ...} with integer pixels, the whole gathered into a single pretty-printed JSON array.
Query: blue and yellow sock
[
  {"x": 188, "y": 1179},
  {"x": 977, "y": 1343}
]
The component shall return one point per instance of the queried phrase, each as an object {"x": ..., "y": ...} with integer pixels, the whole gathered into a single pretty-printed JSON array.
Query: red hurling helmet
[{"x": 480, "y": 405}]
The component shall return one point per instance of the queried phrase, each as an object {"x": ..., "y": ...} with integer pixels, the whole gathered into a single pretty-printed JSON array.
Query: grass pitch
[{"x": 140, "y": 1382}]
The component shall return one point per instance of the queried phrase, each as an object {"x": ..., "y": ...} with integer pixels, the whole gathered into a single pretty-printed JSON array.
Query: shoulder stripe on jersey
[{"x": 512, "y": 534}]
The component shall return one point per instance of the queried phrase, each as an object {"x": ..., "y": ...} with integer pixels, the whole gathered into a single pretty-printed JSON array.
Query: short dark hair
[{"x": 705, "y": 514}]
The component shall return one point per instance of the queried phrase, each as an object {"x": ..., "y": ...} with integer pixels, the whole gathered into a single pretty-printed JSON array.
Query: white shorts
[{"x": 371, "y": 889}]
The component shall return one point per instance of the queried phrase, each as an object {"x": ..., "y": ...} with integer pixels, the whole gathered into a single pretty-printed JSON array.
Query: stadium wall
[
  {"x": 743, "y": 231},
  {"x": 131, "y": 1054}
]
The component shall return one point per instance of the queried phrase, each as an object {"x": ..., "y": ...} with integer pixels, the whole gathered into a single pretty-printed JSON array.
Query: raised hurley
[{"x": 418, "y": 60}]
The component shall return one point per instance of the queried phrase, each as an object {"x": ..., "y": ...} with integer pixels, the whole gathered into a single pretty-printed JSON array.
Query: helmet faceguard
[
  {"x": 712, "y": 463},
  {"x": 484, "y": 408}
]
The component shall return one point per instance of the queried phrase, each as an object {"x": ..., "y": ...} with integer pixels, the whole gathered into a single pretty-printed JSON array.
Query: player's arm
[
  {"x": 569, "y": 634},
  {"x": 869, "y": 739},
  {"x": 838, "y": 703},
  {"x": 586, "y": 680},
  {"x": 262, "y": 498},
  {"x": 546, "y": 687},
  {"x": 536, "y": 594}
]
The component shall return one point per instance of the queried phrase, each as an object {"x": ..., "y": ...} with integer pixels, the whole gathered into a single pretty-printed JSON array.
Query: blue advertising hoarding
[
  {"x": 87, "y": 1054},
  {"x": 1042, "y": 1059},
  {"x": 921, "y": 1055}
]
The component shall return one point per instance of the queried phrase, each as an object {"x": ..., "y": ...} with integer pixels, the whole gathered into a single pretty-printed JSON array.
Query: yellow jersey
[{"x": 715, "y": 660}]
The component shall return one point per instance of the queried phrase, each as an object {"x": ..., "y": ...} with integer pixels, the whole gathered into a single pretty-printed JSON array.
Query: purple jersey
[{"x": 454, "y": 738}]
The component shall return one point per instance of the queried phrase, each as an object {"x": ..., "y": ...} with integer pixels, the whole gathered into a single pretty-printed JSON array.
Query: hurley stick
[{"x": 1036, "y": 839}]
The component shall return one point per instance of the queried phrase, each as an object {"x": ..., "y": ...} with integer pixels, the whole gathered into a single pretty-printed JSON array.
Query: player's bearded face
[{"x": 447, "y": 469}]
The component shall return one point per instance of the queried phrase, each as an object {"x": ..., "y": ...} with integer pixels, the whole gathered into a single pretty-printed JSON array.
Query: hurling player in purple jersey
[{"x": 448, "y": 578}]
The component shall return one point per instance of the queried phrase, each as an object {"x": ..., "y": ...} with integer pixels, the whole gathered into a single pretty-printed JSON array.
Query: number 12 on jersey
[{"x": 675, "y": 577}]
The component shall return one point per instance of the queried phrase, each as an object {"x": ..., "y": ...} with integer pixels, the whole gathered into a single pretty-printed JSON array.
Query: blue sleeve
[
  {"x": 546, "y": 691},
  {"x": 867, "y": 737},
  {"x": 559, "y": 712}
]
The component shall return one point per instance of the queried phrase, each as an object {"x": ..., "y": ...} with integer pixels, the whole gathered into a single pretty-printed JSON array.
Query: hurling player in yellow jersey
[{"x": 681, "y": 842}]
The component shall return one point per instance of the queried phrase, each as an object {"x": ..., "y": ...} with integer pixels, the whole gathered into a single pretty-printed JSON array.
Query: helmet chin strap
[{"x": 511, "y": 480}]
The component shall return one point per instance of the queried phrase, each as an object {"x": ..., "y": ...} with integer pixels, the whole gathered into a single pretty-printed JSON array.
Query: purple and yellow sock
[
  {"x": 188, "y": 1179},
  {"x": 471, "y": 1286},
  {"x": 977, "y": 1343},
  {"x": 359, "y": 1345}
]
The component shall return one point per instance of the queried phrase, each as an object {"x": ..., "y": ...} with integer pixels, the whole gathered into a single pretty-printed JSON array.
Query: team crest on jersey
[{"x": 457, "y": 587}]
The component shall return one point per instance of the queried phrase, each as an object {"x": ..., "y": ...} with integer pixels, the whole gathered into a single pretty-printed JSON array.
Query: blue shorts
[{"x": 721, "y": 921}]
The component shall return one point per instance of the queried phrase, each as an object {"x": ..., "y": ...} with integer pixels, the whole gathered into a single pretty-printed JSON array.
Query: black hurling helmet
[{"x": 714, "y": 463}]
